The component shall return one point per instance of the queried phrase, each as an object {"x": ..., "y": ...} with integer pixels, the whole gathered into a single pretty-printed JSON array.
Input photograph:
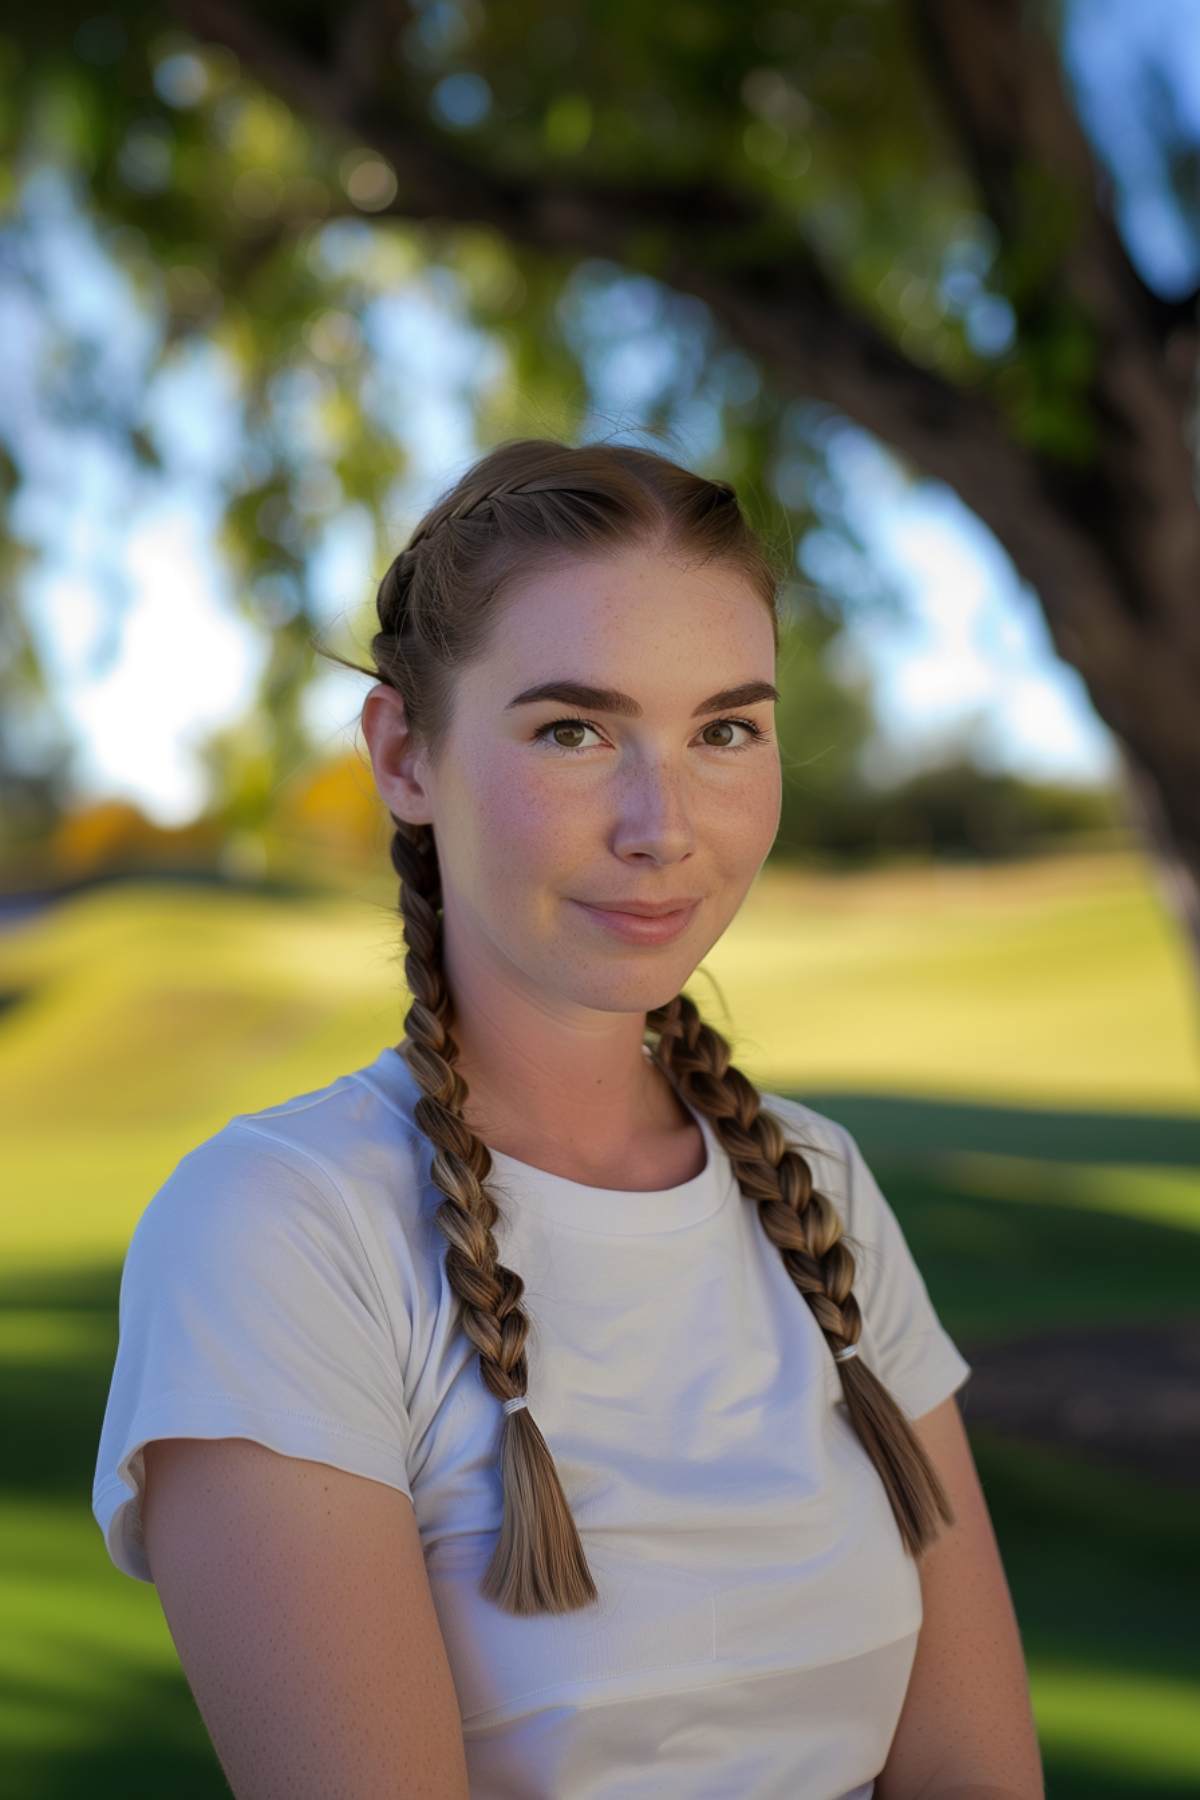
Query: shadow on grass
[
  {"x": 998, "y": 1270},
  {"x": 151, "y": 1743},
  {"x": 1095, "y": 1558},
  {"x": 906, "y": 1124}
]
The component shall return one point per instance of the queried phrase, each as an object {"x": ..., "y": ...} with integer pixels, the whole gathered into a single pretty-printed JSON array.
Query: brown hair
[{"x": 526, "y": 504}]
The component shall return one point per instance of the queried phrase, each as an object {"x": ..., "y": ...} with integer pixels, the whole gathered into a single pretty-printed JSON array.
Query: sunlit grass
[
  {"x": 1142, "y": 1726},
  {"x": 1056, "y": 983}
]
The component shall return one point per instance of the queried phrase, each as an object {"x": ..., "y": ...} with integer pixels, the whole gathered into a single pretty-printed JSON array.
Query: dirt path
[{"x": 1128, "y": 1396}]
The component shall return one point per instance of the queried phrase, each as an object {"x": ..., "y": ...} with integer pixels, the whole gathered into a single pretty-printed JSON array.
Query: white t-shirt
[{"x": 757, "y": 1616}]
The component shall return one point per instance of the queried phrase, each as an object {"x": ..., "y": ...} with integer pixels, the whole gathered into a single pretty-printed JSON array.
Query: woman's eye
[
  {"x": 563, "y": 725},
  {"x": 577, "y": 725}
]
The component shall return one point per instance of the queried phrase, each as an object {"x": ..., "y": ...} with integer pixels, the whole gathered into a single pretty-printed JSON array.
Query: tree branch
[
  {"x": 778, "y": 302},
  {"x": 1000, "y": 85}
]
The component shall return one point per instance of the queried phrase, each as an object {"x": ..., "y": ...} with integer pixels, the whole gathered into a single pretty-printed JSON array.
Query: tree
[{"x": 885, "y": 212}]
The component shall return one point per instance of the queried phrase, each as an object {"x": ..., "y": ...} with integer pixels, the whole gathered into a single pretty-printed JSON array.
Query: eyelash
[{"x": 756, "y": 733}]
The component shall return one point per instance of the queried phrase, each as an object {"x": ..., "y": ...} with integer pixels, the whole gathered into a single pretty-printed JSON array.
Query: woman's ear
[{"x": 398, "y": 762}]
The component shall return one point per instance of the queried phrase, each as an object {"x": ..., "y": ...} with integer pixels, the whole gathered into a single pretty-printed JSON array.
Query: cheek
[
  {"x": 524, "y": 820},
  {"x": 746, "y": 816},
  {"x": 766, "y": 806}
]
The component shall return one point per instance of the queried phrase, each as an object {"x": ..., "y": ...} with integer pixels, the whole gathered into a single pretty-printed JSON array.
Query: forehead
[{"x": 622, "y": 613}]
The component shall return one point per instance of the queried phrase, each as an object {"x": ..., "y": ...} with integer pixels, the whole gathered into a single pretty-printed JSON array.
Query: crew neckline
[{"x": 608, "y": 1212}]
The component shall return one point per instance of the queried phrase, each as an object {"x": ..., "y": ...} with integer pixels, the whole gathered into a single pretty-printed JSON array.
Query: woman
[{"x": 540, "y": 1409}]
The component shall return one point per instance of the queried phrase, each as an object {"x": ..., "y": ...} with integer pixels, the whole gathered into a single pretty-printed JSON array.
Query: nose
[{"x": 654, "y": 816}]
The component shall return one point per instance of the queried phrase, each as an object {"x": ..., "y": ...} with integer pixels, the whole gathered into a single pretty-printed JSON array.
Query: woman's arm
[
  {"x": 966, "y": 1731},
  {"x": 297, "y": 1597}
]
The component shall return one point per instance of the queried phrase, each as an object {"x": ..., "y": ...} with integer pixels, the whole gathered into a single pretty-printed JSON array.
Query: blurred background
[{"x": 920, "y": 277}]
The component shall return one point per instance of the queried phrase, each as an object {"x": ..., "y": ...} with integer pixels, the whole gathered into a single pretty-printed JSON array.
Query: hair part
[{"x": 527, "y": 505}]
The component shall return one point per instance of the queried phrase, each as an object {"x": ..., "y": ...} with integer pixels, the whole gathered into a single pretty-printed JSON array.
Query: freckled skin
[{"x": 551, "y": 1007}]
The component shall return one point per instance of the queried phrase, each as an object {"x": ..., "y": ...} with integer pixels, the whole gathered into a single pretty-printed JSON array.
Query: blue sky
[{"x": 132, "y": 607}]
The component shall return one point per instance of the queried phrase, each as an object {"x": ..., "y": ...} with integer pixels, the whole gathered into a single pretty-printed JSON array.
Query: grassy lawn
[{"x": 1015, "y": 1050}]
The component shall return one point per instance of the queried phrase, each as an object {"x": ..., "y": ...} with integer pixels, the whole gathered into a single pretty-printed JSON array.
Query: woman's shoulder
[{"x": 339, "y": 1158}]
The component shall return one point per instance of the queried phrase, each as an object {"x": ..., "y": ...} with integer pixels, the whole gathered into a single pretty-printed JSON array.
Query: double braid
[{"x": 539, "y": 1563}]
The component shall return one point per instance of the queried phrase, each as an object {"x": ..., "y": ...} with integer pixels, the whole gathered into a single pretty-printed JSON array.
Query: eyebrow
[{"x": 611, "y": 700}]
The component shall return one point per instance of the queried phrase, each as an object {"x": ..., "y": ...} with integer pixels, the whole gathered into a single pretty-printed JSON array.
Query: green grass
[
  {"x": 1099, "y": 1564},
  {"x": 1015, "y": 1052}
]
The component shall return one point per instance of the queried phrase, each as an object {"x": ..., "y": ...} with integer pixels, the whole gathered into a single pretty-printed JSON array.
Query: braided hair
[{"x": 527, "y": 503}]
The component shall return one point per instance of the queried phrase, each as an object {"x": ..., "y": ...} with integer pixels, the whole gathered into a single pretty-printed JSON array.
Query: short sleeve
[
  {"x": 910, "y": 1349},
  {"x": 247, "y": 1308}
]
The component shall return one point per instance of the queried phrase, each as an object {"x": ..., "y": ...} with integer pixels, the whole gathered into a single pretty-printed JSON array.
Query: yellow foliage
[{"x": 339, "y": 807}]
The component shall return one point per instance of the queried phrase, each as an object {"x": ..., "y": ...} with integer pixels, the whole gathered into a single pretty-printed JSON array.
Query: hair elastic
[
  {"x": 841, "y": 1355},
  {"x": 512, "y": 1405}
]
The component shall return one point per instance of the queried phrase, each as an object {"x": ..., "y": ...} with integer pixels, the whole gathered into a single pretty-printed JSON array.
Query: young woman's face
[{"x": 672, "y": 799}]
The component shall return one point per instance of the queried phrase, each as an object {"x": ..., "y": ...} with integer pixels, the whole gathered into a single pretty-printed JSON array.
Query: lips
[{"x": 642, "y": 928}]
